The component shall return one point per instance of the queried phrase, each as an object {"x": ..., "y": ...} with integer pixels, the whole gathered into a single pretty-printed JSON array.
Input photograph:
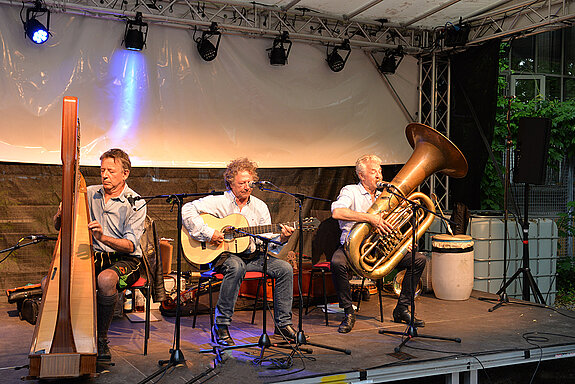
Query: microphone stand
[
  {"x": 264, "y": 340},
  {"x": 35, "y": 240},
  {"x": 176, "y": 355},
  {"x": 301, "y": 339},
  {"x": 411, "y": 330}
]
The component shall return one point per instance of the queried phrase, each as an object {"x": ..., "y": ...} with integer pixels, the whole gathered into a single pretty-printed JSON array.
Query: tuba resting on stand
[
  {"x": 373, "y": 255},
  {"x": 64, "y": 342}
]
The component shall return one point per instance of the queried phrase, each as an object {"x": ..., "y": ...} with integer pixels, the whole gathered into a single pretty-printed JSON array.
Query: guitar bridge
[{"x": 203, "y": 244}]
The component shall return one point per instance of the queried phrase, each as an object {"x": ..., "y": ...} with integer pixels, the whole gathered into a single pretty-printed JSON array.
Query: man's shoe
[
  {"x": 287, "y": 331},
  {"x": 104, "y": 353},
  {"x": 221, "y": 335},
  {"x": 347, "y": 324},
  {"x": 403, "y": 316}
]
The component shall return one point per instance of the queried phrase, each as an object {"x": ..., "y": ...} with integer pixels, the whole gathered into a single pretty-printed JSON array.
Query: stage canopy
[{"x": 168, "y": 107}]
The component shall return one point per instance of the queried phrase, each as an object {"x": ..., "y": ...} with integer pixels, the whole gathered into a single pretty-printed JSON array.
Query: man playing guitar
[{"x": 238, "y": 176}]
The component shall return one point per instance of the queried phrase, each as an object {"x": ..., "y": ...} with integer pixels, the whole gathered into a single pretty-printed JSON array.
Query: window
[{"x": 527, "y": 87}]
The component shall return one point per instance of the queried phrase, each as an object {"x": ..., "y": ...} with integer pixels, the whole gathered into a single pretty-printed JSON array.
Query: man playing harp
[{"x": 116, "y": 228}]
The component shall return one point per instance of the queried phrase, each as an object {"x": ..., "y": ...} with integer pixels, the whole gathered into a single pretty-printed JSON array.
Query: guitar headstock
[{"x": 310, "y": 224}]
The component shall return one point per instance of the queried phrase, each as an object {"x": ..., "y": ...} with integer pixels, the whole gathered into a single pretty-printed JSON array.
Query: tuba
[{"x": 373, "y": 255}]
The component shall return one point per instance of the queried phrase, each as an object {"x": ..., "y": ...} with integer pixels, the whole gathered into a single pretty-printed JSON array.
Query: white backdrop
[{"x": 167, "y": 107}]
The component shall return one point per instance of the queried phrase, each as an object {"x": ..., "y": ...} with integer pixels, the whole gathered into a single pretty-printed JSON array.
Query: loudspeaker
[{"x": 532, "y": 150}]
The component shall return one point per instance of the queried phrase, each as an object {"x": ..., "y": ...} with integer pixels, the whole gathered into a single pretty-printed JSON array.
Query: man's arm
[
  {"x": 196, "y": 226},
  {"x": 120, "y": 245}
]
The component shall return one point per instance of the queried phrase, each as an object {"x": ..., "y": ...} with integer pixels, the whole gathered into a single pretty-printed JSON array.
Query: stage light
[
  {"x": 34, "y": 29},
  {"x": 206, "y": 48},
  {"x": 334, "y": 59},
  {"x": 391, "y": 60},
  {"x": 278, "y": 54},
  {"x": 136, "y": 33},
  {"x": 456, "y": 35}
]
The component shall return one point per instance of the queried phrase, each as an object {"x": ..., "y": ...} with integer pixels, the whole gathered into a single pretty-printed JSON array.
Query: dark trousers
[{"x": 342, "y": 272}]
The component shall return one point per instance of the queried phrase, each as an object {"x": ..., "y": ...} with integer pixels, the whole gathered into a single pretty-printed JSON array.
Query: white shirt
[
  {"x": 117, "y": 217},
  {"x": 255, "y": 211},
  {"x": 356, "y": 198}
]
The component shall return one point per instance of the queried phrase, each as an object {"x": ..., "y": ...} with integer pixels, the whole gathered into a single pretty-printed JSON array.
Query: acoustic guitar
[{"x": 236, "y": 240}]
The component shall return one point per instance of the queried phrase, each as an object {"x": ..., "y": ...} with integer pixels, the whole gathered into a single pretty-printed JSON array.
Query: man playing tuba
[{"x": 350, "y": 207}]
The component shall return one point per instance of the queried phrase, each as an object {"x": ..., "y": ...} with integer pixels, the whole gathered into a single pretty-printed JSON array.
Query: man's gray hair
[{"x": 362, "y": 161}]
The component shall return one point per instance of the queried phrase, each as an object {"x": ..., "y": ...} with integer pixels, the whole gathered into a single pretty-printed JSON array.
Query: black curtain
[{"x": 473, "y": 108}]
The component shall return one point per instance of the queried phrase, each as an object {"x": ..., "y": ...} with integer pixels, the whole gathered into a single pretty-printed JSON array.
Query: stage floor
[{"x": 503, "y": 346}]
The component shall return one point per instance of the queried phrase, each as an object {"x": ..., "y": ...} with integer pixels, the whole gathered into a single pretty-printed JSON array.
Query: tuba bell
[{"x": 374, "y": 255}]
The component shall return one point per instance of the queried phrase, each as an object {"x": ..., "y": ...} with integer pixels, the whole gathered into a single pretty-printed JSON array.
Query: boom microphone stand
[
  {"x": 299, "y": 198},
  {"x": 176, "y": 355},
  {"x": 35, "y": 239},
  {"x": 411, "y": 331}
]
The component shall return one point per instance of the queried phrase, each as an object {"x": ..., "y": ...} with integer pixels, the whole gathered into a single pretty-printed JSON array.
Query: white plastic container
[{"x": 452, "y": 267}]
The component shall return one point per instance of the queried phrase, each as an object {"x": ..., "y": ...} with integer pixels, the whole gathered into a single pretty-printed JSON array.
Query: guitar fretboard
[{"x": 258, "y": 230}]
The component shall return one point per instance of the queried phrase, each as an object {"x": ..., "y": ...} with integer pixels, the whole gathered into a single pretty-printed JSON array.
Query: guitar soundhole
[{"x": 229, "y": 233}]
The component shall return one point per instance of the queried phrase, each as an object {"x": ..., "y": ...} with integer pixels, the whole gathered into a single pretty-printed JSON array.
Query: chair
[
  {"x": 210, "y": 277},
  {"x": 325, "y": 243},
  {"x": 142, "y": 285},
  {"x": 151, "y": 281},
  {"x": 321, "y": 267}
]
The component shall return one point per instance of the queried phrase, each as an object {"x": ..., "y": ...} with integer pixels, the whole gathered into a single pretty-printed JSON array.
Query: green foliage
[
  {"x": 565, "y": 283},
  {"x": 562, "y": 137}
]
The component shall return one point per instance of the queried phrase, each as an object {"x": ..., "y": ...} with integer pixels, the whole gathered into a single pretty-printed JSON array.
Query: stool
[
  {"x": 322, "y": 267},
  {"x": 212, "y": 276},
  {"x": 144, "y": 287}
]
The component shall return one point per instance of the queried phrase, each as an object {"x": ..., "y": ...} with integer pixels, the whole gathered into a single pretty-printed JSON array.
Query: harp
[{"x": 64, "y": 342}]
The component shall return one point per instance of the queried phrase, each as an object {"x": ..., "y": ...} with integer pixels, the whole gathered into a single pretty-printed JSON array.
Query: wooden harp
[{"x": 64, "y": 343}]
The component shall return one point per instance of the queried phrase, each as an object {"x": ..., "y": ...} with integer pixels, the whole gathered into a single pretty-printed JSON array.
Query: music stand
[
  {"x": 301, "y": 339},
  {"x": 411, "y": 330},
  {"x": 176, "y": 355}
]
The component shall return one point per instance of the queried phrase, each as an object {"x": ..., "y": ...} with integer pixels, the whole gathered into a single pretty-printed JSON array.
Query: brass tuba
[{"x": 373, "y": 255}]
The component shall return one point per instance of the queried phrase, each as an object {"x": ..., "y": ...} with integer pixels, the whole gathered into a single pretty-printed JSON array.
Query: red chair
[
  {"x": 144, "y": 287},
  {"x": 321, "y": 267},
  {"x": 210, "y": 277}
]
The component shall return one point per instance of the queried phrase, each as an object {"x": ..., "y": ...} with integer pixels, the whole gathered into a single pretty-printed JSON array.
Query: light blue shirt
[
  {"x": 255, "y": 211},
  {"x": 356, "y": 198},
  {"x": 117, "y": 217}
]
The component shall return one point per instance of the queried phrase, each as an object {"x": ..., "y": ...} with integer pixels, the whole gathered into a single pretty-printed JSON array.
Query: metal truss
[
  {"x": 522, "y": 18},
  {"x": 250, "y": 18},
  {"x": 434, "y": 111}
]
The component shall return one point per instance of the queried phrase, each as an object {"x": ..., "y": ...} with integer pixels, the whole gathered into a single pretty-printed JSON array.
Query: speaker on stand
[{"x": 530, "y": 168}]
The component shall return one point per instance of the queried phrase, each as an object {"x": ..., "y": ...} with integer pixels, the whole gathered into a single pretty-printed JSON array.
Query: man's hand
[
  {"x": 217, "y": 238},
  {"x": 119, "y": 245},
  {"x": 57, "y": 219},
  {"x": 96, "y": 229},
  {"x": 380, "y": 224},
  {"x": 287, "y": 231}
]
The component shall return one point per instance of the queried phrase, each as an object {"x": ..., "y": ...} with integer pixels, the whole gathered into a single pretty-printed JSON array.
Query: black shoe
[
  {"x": 287, "y": 331},
  {"x": 104, "y": 353},
  {"x": 221, "y": 335},
  {"x": 347, "y": 324},
  {"x": 403, "y": 316}
]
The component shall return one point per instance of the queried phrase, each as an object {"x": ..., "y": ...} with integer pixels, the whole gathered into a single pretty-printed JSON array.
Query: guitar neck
[{"x": 271, "y": 228}]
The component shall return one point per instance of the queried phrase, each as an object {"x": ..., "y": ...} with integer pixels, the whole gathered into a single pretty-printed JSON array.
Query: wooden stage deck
[{"x": 512, "y": 344}]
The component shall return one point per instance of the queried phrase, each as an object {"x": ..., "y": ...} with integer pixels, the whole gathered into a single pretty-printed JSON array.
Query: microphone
[
  {"x": 258, "y": 184},
  {"x": 40, "y": 237},
  {"x": 382, "y": 185},
  {"x": 132, "y": 200}
]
